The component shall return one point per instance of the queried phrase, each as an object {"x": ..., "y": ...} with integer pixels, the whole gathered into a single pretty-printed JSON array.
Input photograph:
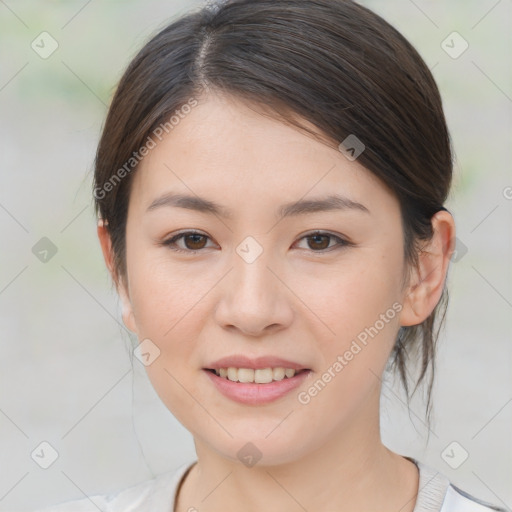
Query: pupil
[
  {"x": 195, "y": 239},
  {"x": 316, "y": 237}
]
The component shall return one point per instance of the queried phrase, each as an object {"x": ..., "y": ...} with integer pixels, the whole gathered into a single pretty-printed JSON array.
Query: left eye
[
  {"x": 318, "y": 241},
  {"x": 194, "y": 241}
]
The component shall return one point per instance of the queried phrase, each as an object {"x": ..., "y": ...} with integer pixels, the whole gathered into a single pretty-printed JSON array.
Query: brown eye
[
  {"x": 319, "y": 241},
  {"x": 193, "y": 242}
]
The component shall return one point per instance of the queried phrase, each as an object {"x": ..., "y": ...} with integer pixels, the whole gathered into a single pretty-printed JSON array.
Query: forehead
[{"x": 225, "y": 148}]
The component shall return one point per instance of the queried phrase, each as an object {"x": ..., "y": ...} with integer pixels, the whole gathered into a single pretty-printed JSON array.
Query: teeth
[
  {"x": 233, "y": 374},
  {"x": 246, "y": 375},
  {"x": 260, "y": 376}
]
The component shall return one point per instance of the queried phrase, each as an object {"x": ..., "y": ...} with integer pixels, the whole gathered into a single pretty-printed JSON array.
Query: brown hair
[{"x": 333, "y": 63}]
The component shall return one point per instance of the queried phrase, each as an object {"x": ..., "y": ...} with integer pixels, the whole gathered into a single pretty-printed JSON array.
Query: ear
[
  {"x": 121, "y": 286},
  {"x": 427, "y": 280}
]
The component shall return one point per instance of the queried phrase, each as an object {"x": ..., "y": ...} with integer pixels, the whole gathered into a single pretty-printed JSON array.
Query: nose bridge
[
  {"x": 253, "y": 277},
  {"x": 254, "y": 298}
]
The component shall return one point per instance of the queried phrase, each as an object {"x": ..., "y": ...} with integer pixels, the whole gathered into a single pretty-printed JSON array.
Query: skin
[{"x": 298, "y": 300}]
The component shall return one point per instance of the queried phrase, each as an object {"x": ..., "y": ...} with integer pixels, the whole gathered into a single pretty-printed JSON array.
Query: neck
[{"x": 350, "y": 471}]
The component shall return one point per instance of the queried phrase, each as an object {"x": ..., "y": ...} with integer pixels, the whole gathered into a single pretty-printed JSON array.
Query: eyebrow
[{"x": 329, "y": 203}]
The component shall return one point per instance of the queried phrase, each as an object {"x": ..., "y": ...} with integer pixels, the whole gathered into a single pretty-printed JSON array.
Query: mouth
[{"x": 256, "y": 387}]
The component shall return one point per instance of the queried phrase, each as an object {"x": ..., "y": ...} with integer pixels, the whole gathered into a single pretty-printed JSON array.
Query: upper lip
[{"x": 241, "y": 361}]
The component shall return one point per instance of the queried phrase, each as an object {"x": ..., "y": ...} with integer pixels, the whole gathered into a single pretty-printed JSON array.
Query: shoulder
[
  {"x": 457, "y": 500},
  {"x": 153, "y": 495},
  {"x": 437, "y": 494}
]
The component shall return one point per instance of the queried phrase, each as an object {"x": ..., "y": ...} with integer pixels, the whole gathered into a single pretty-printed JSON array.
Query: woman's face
[{"x": 259, "y": 284}]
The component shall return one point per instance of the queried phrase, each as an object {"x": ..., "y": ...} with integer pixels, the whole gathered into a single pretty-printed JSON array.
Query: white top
[{"x": 435, "y": 494}]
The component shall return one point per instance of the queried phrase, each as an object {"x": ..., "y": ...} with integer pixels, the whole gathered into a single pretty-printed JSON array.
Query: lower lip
[{"x": 256, "y": 394}]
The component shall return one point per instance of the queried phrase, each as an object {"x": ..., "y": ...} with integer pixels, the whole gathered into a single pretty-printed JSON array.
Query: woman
[{"x": 270, "y": 185}]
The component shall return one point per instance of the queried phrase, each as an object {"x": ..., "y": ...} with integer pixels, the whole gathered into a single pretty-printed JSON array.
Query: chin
[{"x": 256, "y": 450}]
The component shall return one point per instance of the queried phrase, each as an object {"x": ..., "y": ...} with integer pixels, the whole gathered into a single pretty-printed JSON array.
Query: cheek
[
  {"x": 166, "y": 307},
  {"x": 351, "y": 296},
  {"x": 364, "y": 314},
  {"x": 164, "y": 296},
  {"x": 359, "y": 311}
]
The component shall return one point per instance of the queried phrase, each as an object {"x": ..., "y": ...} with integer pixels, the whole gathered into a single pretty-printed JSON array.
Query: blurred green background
[{"x": 65, "y": 373}]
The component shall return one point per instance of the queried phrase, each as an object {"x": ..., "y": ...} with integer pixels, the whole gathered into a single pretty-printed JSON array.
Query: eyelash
[{"x": 171, "y": 242}]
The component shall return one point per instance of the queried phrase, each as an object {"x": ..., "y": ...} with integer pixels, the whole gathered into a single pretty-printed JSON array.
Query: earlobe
[
  {"x": 128, "y": 317},
  {"x": 427, "y": 280},
  {"x": 108, "y": 255}
]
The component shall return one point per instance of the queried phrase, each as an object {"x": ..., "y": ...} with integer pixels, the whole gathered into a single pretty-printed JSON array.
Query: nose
[{"x": 254, "y": 299}]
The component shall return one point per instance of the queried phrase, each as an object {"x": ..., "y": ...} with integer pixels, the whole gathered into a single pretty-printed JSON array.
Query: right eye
[{"x": 194, "y": 241}]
